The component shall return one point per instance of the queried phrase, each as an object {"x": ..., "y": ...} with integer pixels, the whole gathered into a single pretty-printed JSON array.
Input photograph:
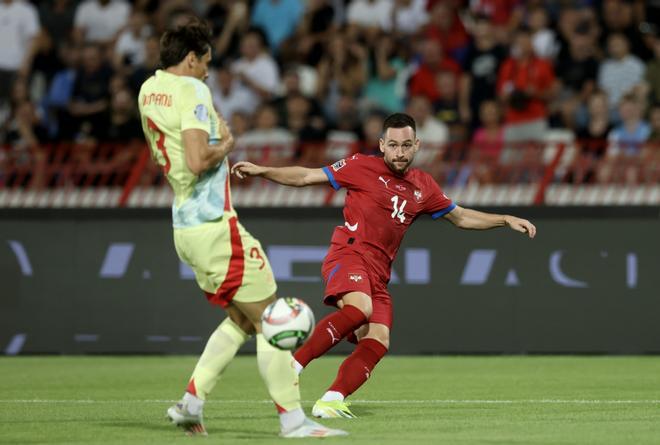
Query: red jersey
[
  {"x": 423, "y": 81},
  {"x": 380, "y": 206}
]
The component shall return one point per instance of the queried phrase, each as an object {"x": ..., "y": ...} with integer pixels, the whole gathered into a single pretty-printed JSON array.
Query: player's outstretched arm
[
  {"x": 473, "y": 219},
  {"x": 294, "y": 176}
]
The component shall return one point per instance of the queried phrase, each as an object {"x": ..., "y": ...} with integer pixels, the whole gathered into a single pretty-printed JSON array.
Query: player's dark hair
[
  {"x": 176, "y": 44},
  {"x": 399, "y": 120}
]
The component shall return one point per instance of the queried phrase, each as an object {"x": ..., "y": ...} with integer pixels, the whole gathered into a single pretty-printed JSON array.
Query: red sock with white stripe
[
  {"x": 329, "y": 332},
  {"x": 357, "y": 368}
]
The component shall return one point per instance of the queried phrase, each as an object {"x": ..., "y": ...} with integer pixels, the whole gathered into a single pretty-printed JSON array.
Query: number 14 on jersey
[{"x": 398, "y": 210}]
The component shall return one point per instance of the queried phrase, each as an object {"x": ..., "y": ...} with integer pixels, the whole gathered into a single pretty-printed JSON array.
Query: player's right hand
[{"x": 243, "y": 169}]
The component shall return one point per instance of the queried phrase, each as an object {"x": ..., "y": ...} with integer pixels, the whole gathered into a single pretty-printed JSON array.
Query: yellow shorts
[{"x": 229, "y": 263}]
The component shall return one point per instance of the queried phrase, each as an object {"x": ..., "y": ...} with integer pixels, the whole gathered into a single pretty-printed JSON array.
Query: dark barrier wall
[{"x": 110, "y": 282}]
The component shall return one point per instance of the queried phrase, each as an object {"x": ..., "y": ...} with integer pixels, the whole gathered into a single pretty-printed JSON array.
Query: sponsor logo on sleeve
[
  {"x": 339, "y": 164},
  {"x": 202, "y": 113}
]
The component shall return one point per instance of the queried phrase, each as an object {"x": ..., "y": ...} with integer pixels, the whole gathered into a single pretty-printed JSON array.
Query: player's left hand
[
  {"x": 243, "y": 169},
  {"x": 521, "y": 225}
]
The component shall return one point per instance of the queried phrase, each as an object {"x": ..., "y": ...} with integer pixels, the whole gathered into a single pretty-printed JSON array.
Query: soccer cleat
[
  {"x": 333, "y": 409},
  {"x": 309, "y": 428},
  {"x": 192, "y": 424}
]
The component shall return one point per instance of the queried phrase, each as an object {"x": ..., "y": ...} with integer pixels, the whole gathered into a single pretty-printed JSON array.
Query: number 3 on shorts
[{"x": 255, "y": 253}]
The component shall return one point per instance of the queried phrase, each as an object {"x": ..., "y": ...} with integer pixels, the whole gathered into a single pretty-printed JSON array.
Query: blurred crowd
[{"x": 304, "y": 71}]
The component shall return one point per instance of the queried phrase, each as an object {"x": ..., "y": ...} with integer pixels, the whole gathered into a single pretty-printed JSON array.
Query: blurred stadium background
[{"x": 546, "y": 109}]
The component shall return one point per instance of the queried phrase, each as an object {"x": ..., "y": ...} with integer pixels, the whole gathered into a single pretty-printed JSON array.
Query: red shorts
[{"x": 345, "y": 272}]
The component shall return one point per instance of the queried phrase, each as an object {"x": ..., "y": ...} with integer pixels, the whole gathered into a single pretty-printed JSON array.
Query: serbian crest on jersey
[
  {"x": 339, "y": 164},
  {"x": 355, "y": 277},
  {"x": 418, "y": 195}
]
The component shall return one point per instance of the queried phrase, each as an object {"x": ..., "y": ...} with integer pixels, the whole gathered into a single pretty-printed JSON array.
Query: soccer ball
[{"x": 287, "y": 322}]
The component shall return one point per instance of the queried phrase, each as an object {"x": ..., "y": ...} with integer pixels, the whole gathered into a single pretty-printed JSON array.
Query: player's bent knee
[
  {"x": 246, "y": 326},
  {"x": 253, "y": 311},
  {"x": 380, "y": 333},
  {"x": 361, "y": 332},
  {"x": 241, "y": 320},
  {"x": 359, "y": 300}
]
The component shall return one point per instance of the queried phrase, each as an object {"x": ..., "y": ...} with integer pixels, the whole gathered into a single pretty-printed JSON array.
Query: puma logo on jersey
[
  {"x": 355, "y": 277},
  {"x": 351, "y": 227},
  {"x": 384, "y": 181}
]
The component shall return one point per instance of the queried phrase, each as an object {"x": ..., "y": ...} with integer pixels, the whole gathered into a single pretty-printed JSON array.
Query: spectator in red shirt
[
  {"x": 526, "y": 84},
  {"x": 423, "y": 81},
  {"x": 489, "y": 138},
  {"x": 446, "y": 27}
]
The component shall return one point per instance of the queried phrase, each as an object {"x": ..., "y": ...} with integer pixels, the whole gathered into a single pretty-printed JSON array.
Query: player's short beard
[{"x": 394, "y": 168}]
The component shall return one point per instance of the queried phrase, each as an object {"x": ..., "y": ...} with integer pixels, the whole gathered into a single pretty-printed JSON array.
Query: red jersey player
[{"x": 384, "y": 197}]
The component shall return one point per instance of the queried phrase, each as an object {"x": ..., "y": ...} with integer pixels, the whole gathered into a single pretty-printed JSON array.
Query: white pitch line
[{"x": 366, "y": 402}]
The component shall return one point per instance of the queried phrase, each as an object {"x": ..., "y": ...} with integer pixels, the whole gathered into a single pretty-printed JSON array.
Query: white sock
[
  {"x": 193, "y": 403},
  {"x": 297, "y": 366},
  {"x": 291, "y": 419},
  {"x": 278, "y": 375},
  {"x": 331, "y": 396},
  {"x": 219, "y": 351}
]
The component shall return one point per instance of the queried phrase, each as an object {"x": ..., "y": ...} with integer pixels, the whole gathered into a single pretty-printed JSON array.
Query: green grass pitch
[{"x": 409, "y": 400}]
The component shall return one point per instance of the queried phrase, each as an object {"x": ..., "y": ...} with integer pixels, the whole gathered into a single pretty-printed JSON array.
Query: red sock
[
  {"x": 329, "y": 332},
  {"x": 191, "y": 387},
  {"x": 357, "y": 368}
]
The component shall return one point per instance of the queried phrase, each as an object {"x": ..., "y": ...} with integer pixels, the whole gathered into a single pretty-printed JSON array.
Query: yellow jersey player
[{"x": 191, "y": 142}]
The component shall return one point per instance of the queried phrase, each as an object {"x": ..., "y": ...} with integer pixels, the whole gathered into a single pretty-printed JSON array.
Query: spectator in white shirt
[
  {"x": 99, "y": 21},
  {"x": 433, "y": 133},
  {"x": 430, "y": 130},
  {"x": 19, "y": 27},
  {"x": 266, "y": 134},
  {"x": 544, "y": 39},
  {"x": 369, "y": 13},
  {"x": 407, "y": 16},
  {"x": 130, "y": 47},
  {"x": 256, "y": 69},
  {"x": 621, "y": 72},
  {"x": 229, "y": 95}
]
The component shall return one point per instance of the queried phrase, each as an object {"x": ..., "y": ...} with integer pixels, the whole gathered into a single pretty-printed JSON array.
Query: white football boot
[
  {"x": 309, "y": 428},
  {"x": 192, "y": 424}
]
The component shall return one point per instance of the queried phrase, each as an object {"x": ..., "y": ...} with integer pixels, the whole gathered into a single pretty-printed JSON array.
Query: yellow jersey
[{"x": 170, "y": 104}]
